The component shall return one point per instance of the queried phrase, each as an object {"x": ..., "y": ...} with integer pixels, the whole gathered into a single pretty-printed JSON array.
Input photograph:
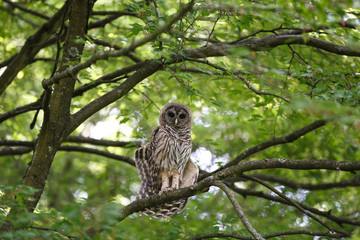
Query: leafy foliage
[{"x": 240, "y": 95}]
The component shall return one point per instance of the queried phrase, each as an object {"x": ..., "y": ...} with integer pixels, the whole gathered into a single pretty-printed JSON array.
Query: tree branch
[
  {"x": 79, "y": 117},
  {"x": 275, "y": 141},
  {"x": 268, "y": 43},
  {"x": 353, "y": 182},
  {"x": 24, "y": 9},
  {"x": 107, "y": 78},
  {"x": 238, "y": 209},
  {"x": 201, "y": 186},
  {"x": 101, "y": 142},
  {"x": 72, "y": 70},
  {"x": 97, "y": 152},
  {"x": 296, "y": 205},
  {"x": 23, "y": 109},
  {"x": 286, "y": 233},
  {"x": 338, "y": 220},
  {"x": 31, "y": 48},
  {"x": 14, "y": 151},
  {"x": 9, "y": 151}
]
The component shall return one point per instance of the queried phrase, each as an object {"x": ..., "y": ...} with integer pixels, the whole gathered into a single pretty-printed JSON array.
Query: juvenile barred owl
[{"x": 164, "y": 164}]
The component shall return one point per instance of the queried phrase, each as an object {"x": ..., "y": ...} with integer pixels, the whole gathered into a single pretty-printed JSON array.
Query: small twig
[
  {"x": 238, "y": 209},
  {"x": 261, "y": 93},
  {"x": 156, "y": 8},
  {"x": 213, "y": 29},
  {"x": 294, "y": 52},
  {"x": 226, "y": 72},
  {"x": 149, "y": 99}
]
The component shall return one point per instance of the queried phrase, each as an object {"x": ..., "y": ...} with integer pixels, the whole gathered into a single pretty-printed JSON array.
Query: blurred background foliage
[{"x": 86, "y": 190}]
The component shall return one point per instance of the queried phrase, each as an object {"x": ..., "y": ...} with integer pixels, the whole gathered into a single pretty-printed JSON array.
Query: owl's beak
[{"x": 176, "y": 121}]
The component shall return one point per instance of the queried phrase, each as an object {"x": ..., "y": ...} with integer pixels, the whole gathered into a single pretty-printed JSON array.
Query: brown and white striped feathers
[{"x": 165, "y": 161}]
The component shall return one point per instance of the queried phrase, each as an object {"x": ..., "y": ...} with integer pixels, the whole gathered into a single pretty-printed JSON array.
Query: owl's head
[{"x": 176, "y": 115}]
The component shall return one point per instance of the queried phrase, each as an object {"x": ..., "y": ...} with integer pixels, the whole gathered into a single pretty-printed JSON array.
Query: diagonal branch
[
  {"x": 275, "y": 141},
  {"x": 24, "y": 9},
  {"x": 238, "y": 209},
  {"x": 338, "y": 220},
  {"x": 296, "y": 205},
  {"x": 31, "y": 47},
  {"x": 79, "y": 117}
]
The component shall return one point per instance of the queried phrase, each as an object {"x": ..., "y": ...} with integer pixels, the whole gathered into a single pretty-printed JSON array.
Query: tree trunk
[{"x": 57, "y": 107}]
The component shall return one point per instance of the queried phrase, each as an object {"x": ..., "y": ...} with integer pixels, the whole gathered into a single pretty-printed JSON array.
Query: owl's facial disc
[{"x": 176, "y": 115}]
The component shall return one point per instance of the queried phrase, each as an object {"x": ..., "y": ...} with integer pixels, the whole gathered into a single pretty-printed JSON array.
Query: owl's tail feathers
[{"x": 169, "y": 209}]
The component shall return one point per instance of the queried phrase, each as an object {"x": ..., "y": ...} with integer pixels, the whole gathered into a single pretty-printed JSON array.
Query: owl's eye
[
  {"x": 171, "y": 114},
  {"x": 182, "y": 116}
]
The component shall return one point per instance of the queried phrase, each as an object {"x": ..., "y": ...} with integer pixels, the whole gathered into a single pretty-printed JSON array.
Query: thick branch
[
  {"x": 268, "y": 43},
  {"x": 56, "y": 106},
  {"x": 79, "y": 117},
  {"x": 140, "y": 205}
]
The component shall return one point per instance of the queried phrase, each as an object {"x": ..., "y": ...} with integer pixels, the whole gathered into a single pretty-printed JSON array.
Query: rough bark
[{"x": 57, "y": 111}]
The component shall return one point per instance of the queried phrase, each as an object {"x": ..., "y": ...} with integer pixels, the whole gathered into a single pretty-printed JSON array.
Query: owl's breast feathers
[{"x": 172, "y": 148}]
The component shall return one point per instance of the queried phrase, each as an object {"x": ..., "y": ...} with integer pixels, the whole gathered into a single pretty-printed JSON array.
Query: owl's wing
[
  {"x": 146, "y": 169},
  {"x": 190, "y": 175},
  {"x": 142, "y": 164}
]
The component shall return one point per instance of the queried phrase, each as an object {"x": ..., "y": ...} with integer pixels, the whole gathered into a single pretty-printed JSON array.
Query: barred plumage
[{"x": 164, "y": 164}]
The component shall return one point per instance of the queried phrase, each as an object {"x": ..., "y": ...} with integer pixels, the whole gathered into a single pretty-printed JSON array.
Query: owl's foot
[
  {"x": 166, "y": 190},
  {"x": 175, "y": 180}
]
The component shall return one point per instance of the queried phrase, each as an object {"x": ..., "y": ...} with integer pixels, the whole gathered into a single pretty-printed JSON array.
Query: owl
[{"x": 164, "y": 164}]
